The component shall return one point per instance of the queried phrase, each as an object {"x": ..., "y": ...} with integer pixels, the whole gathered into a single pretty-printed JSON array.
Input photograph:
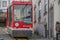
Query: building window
[
  {"x": 39, "y": 18},
  {"x": 45, "y": 21},
  {"x": 45, "y": 9},
  {"x": 0, "y": 4},
  {"x": 4, "y": 3}
]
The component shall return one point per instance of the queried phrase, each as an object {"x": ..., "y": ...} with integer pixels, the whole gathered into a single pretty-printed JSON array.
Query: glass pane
[
  {"x": 23, "y": 13},
  {"x": 9, "y": 14}
]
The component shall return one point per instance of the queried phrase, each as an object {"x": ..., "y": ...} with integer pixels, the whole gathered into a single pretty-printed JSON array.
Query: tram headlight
[{"x": 16, "y": 24}]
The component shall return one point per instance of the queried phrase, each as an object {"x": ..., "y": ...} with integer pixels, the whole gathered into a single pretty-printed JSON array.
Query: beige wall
[
  {"x": 56, "y": 15},
  {"x": 55, "y": 6}
]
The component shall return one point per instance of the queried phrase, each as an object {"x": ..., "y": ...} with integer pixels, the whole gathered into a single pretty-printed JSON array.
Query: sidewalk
[{"x": 43, "y": 39}]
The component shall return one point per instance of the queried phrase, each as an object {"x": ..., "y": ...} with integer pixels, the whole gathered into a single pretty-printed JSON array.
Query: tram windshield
[{"x": 23, "y": 13}]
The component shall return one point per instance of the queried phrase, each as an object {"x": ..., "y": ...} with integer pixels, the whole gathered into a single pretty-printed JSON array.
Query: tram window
[
  {"x": 9, "y": 14},
  {"x": 23, "y": 13}
]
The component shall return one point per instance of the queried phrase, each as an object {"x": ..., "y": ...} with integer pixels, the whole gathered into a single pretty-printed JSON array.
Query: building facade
[
  {"x": 45, "y": 17},
  {"x": 49, "y": 17},
  {"x": 3, "y": 5},
  {"x": 3, "y": 9},
  {"x": 41, "y": 16}
]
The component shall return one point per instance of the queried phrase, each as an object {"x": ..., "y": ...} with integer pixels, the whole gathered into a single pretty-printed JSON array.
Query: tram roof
[{"x": 19, "y": 2}]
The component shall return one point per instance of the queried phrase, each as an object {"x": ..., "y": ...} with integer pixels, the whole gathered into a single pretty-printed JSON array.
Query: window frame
[{"x": 4, "y": 3}]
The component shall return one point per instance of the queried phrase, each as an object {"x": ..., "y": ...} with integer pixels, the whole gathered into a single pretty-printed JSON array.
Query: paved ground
[{"x": 4, "y": 34}]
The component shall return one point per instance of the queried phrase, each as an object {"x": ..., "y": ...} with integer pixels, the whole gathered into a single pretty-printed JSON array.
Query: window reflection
[{"x": 23, "y": 13}]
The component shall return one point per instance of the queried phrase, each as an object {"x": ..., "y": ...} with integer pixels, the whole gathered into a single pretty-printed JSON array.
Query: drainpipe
[{"x": 48, "y": 28}]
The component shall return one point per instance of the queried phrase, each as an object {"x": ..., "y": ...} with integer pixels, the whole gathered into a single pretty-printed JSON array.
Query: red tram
[{"x": 19, "y": 19}]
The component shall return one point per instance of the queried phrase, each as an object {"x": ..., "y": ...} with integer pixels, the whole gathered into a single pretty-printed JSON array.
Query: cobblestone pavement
[{"x": 4, "y": 35}]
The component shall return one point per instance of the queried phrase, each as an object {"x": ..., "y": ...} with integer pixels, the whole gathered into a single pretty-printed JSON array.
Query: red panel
[
  {"x": 22, "y": 25},
  {"x": 17, "y": 2}
]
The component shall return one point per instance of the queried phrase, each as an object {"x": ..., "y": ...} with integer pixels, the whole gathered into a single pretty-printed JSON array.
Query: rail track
[{"x": 21, "y": 38}]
